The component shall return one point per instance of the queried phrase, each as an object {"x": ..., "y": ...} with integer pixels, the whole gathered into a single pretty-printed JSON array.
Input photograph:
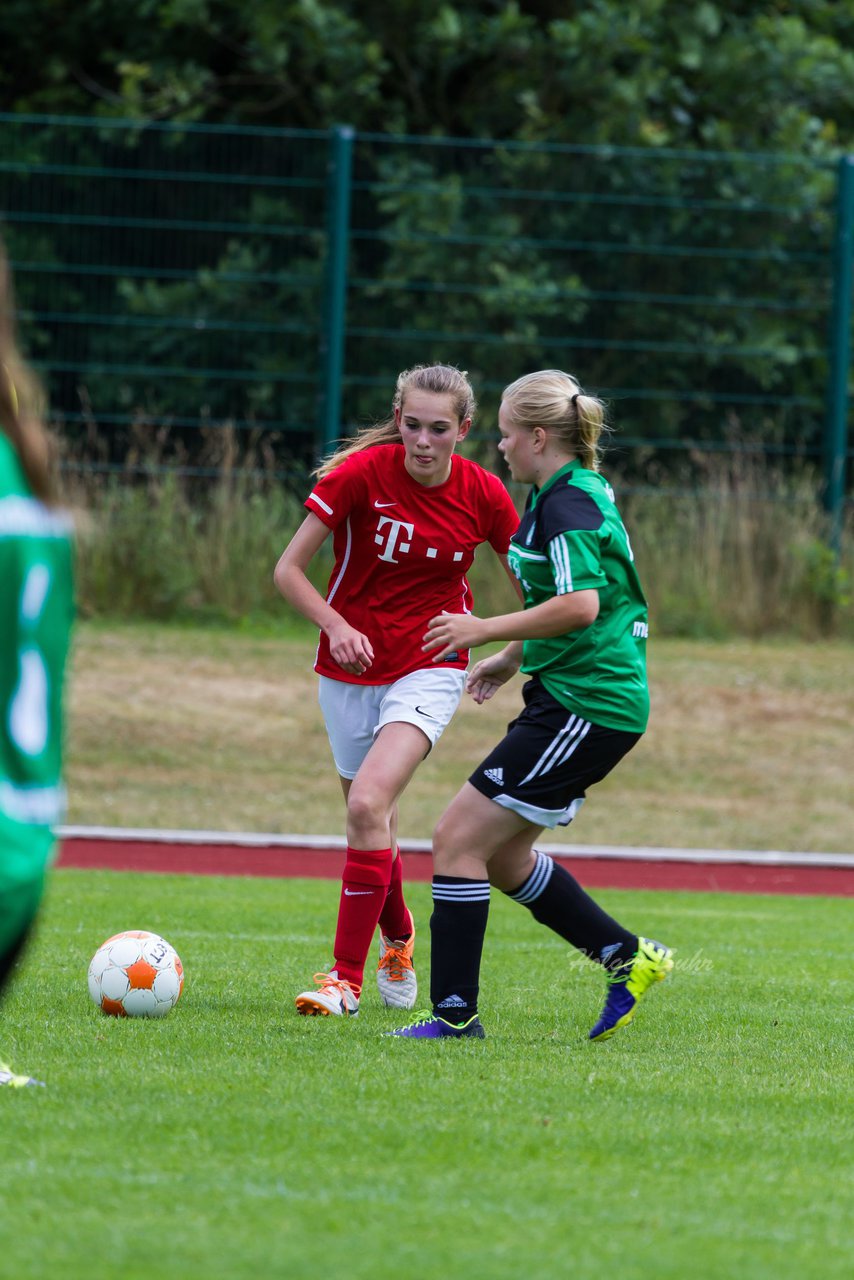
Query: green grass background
[{"x": 712, "y": 1138}]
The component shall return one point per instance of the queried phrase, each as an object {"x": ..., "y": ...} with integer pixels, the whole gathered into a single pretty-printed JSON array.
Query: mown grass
[
  {"x": 712, "y": 1138},
  {"x": 219, "y": 728}
]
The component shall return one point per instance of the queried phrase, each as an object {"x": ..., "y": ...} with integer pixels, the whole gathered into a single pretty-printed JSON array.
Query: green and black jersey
[
  {"x": 572, "y": 538},
  {"x": 36, "y": 608}
]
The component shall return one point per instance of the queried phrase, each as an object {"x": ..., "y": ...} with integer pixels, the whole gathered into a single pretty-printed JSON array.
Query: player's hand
[
  {"x": 450, "y": 632},
  {"x": 350, "y": 649},
  {"x": 487, "y": 676}
]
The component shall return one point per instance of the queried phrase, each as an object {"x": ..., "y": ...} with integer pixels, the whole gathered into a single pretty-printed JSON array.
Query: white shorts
[{"x": 355, "y": 713}]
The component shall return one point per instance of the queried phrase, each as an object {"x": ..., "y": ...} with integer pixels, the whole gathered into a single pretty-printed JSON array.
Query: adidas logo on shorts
[{"x": 495, "y": 775}]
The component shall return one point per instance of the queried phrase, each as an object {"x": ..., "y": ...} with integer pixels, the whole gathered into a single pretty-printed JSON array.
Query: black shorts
[{"x": 543, "y": 767}]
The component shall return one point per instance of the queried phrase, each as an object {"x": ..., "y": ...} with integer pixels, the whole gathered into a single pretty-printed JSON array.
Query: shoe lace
[
  {"x": 397, "y": 963},
  {"x": 618, "y": 977},
  {"x": 337, "y": 984},
  {"x": 422, "y": 1016}
]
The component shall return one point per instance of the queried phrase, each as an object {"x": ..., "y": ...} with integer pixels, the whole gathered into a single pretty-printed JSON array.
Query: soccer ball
[{"x": 136, "y": 975}]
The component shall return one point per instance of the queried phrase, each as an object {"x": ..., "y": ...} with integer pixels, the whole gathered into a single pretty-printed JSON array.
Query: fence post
[
  {"x": 836, "y": 427},
  {"x": 335, "y": 284}
]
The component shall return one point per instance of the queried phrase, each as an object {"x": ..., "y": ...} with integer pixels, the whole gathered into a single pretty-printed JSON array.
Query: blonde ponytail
[{"x": 554, "y": 400}]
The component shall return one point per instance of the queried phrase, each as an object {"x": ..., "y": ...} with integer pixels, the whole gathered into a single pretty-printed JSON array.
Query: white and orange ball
[{"x": 136, "y": 975}]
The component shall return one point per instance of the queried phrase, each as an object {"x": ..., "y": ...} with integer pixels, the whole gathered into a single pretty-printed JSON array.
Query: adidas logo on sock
[
  {"x": 452, "y": 1002},
  {"x": 495, "y": 775},
  {"x": 607, "y": 953}
]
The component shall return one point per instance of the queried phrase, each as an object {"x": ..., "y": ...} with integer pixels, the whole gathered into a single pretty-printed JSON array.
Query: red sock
[
  {"x": 363, "y": 892},
  {"x": 394, "y": 917}
]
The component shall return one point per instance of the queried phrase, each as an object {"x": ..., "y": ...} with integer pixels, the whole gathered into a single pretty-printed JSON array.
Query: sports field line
[{"x": 322, "y": 857}]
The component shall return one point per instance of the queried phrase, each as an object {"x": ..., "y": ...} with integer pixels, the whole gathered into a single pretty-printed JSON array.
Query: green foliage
[
  {"x": 757, "y": 76},
  {"x": 641, "y": 194},
  {"x": 172, "y": 547},
  {"x": 738, "y": 551},
  {"x": 655, "y": 278},
  {"x": 133, "y": 551},
  {"x": 826, "y": 581},
  {"x": 661, "y": 73},
  {"x": 213, "y": 1143}
]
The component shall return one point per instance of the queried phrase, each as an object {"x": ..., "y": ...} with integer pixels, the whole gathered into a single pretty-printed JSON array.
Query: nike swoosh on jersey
[{"x": 385, "y": 504}]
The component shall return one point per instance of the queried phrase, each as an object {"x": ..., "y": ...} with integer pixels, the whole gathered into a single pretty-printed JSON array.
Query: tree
[
  {"x": 697, "y": 287},
  {"x": 763, "y": 75}
]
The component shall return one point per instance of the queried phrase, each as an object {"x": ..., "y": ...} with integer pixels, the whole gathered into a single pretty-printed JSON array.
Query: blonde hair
[
  {"x": 554, "y": 400},
  {"x": 441, "y": 379},
  {"x": 21, "y": 399}
]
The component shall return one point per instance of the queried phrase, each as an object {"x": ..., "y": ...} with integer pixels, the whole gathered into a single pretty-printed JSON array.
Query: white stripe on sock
[
  {"x": 537, "y": 880},
  {"x": 471, "y": 891}
]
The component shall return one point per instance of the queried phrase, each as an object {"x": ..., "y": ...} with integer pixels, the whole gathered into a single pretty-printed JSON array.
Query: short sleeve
[
  {"x": 333, "y": 498},
  {"x": 570, "y": 525},
  {"x": 576, "y": 562}
]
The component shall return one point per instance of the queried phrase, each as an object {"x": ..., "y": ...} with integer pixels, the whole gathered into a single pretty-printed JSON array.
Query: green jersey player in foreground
[
  {"x": 582, "y": 641},
  {"x": 35, "y": 619}
]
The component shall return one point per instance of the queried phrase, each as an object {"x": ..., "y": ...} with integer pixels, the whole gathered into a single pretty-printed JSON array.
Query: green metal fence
[
  {"x": 277, "y": 280},
  {"x": 168, "y": 274}
]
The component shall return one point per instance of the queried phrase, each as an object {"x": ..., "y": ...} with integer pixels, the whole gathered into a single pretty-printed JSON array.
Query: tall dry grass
[
  {"x": 740, "y": 551},
  {"x": 161, "y": 539}
]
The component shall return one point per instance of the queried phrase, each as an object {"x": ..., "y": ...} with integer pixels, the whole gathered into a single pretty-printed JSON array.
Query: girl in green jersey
[
  {"x": 35, "y": 619},
  {"x": 582, "y": 641}
]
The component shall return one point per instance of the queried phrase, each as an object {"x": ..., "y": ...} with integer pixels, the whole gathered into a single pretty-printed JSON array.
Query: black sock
[
  {"x": 457, "y": 927},
  {"x": 557, "y": 900}
]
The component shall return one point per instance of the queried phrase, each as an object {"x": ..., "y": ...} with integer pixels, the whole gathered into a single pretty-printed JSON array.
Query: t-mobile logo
[{"x": 391, "y": 537}]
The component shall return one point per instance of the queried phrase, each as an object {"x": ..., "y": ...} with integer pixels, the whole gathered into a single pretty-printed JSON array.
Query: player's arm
[
  {"x": 349, "y": 648},
  {"x": 556, "y": 617},
  {"x": 489, "y": 674}
]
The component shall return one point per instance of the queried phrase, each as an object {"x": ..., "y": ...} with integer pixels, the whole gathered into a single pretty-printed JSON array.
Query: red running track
[{"x": 218, "y": 857}]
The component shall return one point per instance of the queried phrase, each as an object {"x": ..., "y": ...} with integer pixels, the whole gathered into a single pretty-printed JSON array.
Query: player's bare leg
[
  {"x": 368, "y": 875},
  {"x": 386, "y": 771},
  {"x": 396, "y": 980},
  {"x": 473, "y": 831}
]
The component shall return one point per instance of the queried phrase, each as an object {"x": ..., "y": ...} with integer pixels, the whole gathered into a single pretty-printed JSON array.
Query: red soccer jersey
[{"x": 402, "y": 550}]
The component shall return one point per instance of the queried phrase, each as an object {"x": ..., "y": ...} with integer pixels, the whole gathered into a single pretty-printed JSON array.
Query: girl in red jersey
[{"x": 406, "y": 514}]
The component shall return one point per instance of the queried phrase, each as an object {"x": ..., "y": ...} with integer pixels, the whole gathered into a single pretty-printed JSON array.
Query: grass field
[
  {"x": 749, "y": 744},
  {"x": 712, "y": 1139}
]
